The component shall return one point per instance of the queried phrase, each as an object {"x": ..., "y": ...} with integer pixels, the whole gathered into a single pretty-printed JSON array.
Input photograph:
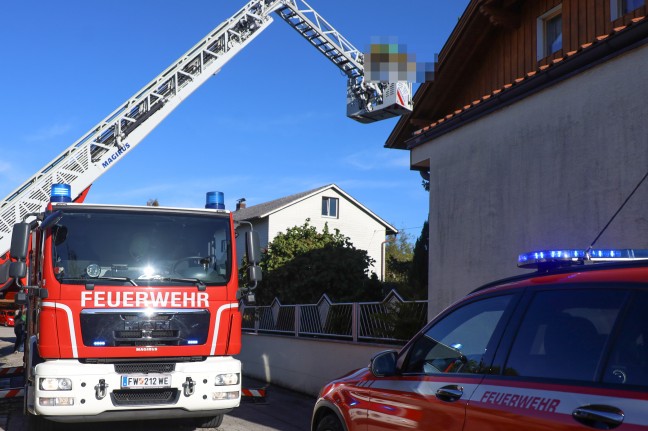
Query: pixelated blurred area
[{"x": 389, "y": 61}]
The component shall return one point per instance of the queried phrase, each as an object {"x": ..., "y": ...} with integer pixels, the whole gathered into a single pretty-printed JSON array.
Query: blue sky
[{"x": 271, "y": 123}]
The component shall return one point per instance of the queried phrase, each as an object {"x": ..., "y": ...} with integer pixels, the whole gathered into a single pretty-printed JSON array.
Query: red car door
[
  {"x": 577, "y": 360},
  {"x": 439, "y": 370}
]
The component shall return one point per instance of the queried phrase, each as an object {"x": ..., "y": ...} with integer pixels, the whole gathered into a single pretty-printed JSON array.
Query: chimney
[{"x": 240, "y": 204}]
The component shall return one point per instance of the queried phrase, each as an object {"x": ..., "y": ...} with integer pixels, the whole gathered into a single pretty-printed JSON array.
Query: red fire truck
[{"x": 131, "y": 309}]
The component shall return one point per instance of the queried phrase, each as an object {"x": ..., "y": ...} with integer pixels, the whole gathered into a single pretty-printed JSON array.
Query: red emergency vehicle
[
  {"x": 563, "y": 348},
  {"x": 132, "y": 311}
]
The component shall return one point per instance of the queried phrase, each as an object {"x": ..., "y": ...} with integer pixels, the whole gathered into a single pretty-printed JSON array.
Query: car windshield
[{"x": 141, "y": 247}]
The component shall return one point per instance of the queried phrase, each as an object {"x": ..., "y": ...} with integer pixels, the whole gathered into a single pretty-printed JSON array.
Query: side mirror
[
  {"x": 253, "y": 251},
  {"x": 383, "y": 364},
  {"x": 20, "y": 241},
  {"x": 255, "y": 274},
  {"x": 17, "y": 269},
  {"x": 252, "y": 248}
]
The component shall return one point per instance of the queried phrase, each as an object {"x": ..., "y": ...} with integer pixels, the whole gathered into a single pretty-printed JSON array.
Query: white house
[{"x": 324, "y": 205}]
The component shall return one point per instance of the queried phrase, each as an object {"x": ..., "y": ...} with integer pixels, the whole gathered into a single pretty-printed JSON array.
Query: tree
[
  {"x": 418, "y": 276},
  {"x": 302, "y": 264},
  {"x": 398, "y": 258},
  {"x": 152, "y": 203}
]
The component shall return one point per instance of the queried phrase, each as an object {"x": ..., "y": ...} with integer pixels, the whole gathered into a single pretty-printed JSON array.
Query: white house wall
[
  {"x": 545, "y": 172},
  {"x": 363, "y": 230}
]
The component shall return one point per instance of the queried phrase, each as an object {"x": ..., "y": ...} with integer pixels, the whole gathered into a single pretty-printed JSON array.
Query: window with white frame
[
  {"x": 330, "y": 207},
  {"x": 550, "y": 32},
  {"x": 619, "y": 8}
]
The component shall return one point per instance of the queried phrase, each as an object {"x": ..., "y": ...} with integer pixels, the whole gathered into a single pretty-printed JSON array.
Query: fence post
[
  {"x": 355, "y": 312},
  {"x": 257, "y": 319},
  {"x": 297, "y": 319}
]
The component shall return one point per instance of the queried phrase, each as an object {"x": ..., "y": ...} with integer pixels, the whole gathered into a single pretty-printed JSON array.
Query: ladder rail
[
  {"x": 317, "y": 29},
  {"x": 105, "y": 143}
]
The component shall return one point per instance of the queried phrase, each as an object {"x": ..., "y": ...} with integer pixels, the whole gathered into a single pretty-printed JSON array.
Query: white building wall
[
  {"x": 302, "y": 364},
  {"x": 363, "y": 230},
  {"x": 548, "y": 171}
]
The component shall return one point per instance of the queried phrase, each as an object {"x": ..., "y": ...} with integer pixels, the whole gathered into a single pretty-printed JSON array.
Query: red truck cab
[{"x": 131, "y": 311}]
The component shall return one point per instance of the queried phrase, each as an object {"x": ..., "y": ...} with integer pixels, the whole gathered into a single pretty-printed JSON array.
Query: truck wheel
[
  {"x": 329, "y": 423},
  {"x": 214, "y": 422}
]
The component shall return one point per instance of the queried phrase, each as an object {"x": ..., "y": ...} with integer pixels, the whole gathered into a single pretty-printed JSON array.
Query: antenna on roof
[{"x": 589, "y": 249}]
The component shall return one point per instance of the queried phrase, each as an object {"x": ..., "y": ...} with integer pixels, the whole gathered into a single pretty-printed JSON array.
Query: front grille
[
  {"x": 146, "y": 334},
  {"x": 144, "y": 368},
  {"x": 160, "y": 327},
  {"x": 139, "y": 397}
]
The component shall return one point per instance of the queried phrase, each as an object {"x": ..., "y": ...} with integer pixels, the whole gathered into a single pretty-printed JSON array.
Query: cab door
[
  {"x": 577, "y": 360},
  {"x": 439, "y": 370}
]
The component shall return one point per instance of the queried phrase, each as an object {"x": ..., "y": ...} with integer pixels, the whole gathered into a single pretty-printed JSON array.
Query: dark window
[
  {"x": 553, "y": 34},
  {"x": 628, "y": 361},
  {"x": 563, "y": 334},
  {"x": 458, "y": 342},
  {"x": 330, "y": 207}
]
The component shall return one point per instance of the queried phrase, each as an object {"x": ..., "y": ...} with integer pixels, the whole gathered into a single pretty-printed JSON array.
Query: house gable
[
  {"x": 494, "y": 50},
  {"x": 364, "y": 228}
]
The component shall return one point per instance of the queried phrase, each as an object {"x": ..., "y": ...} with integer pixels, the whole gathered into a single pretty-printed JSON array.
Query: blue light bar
[
  {"x": 98, "y": 343},
  {"x": 610, "y": 255},
  {"x": 192, "y": 341},
  {"x": 556, "y": 258},
  {"x": 536, "y": 258},
  {"x": 215, "y": 200},
  {"x": 61, "y": 193}
]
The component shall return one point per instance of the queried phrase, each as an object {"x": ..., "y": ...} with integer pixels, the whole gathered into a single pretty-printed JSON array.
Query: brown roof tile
[{"x": 528, "y": 75}]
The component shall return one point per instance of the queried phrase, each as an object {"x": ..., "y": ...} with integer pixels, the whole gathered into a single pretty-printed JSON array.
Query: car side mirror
[{"x": 384, "y": 364}]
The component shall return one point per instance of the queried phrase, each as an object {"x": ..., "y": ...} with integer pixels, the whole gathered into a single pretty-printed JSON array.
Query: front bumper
[{"x": 97, "y": 395}]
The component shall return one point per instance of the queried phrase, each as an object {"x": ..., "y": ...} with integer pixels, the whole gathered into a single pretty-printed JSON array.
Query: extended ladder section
[
  {"x": 366, "y": 101},
  {"x": 116, "y": 135}
]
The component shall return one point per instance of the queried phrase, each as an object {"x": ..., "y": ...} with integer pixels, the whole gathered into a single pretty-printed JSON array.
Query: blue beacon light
[
  {"x": 215, "y": 200},
  {"x": 61, "y": 193},
  {"x": 543, "y": 258},
  {"x": 556, "y": 258}
]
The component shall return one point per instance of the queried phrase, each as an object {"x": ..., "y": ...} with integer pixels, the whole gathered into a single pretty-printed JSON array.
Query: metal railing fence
[{"x": 392, "y": 320}]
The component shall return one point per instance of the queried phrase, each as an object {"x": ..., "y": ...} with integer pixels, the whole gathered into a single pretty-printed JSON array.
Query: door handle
[
  {"x": 599, "y": 416},
  {"x": 449, "y": 393}
]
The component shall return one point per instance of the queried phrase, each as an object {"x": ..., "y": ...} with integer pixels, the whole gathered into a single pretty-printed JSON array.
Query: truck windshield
[{"x": 146, "y": 247}]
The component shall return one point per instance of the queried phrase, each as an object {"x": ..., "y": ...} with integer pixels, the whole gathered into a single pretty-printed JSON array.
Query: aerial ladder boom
[{"x": 116, "y": 135}]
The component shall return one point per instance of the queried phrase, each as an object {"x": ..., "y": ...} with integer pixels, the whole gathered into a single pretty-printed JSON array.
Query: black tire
[
  {"x": 329, "y": 422},
  {"x": 214, "y": 422}
]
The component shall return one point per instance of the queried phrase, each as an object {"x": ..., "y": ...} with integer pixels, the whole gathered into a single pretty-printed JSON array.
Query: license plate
[{"x": 146, "y": 381}]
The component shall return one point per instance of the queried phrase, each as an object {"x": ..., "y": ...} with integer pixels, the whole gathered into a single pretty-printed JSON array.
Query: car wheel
[
  {"x": 214, "y": 422},
  {"x": 329, "y": 422}
]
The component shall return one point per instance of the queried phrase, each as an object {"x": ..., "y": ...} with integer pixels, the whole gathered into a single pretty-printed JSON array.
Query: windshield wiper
[
  {"x": 198, "y": 282},
  {"x": 89, "y": 281}
]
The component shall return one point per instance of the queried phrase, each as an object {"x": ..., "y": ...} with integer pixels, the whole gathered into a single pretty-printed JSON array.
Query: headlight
[
  {"x": 55, "y": 384},
  {"x": 227, "y": 379}
]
